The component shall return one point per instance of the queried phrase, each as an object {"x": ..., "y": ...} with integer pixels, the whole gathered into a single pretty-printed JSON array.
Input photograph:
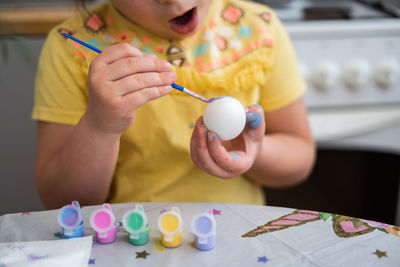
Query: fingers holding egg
[
  {"x": 207, "y": 151},
  {"x": 234, "y": 162},
  {"x": 199, "y": 150},
  {"x": 225, "y": 117},
  {"x": 215, "y": 146},
  {"x": 255, "y": 122},
  {"x": 198, "y": 141}
]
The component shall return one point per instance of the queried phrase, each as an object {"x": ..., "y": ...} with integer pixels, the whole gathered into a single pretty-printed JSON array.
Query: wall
[{"x": 18, "y": 60}]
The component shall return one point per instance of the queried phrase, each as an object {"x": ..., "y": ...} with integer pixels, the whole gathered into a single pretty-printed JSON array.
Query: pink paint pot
[{"x": 103, "y": 223}]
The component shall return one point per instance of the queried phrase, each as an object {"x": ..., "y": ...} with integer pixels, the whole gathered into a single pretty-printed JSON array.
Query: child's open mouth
[{"x": 185, "y": 23}]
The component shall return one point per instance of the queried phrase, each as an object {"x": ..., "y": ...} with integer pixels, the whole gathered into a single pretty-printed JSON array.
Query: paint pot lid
[
  {"x": 204, "y": 225},
  {"x": 70, "y": 216},
  {"x": 102, "y": 220},
  {"x": 175, "y": 215},
  {"x": 135, "y": 220}
]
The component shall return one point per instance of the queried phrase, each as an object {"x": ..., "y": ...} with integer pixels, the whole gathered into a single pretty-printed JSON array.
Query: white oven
[{"x": 349, "y": 54}]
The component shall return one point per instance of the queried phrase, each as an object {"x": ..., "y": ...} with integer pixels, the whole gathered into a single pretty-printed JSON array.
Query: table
[{"x": 246, "y": 236}]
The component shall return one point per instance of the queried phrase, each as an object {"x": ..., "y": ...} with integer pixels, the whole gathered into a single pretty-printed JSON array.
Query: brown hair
[{"x": 81, "y": 4}]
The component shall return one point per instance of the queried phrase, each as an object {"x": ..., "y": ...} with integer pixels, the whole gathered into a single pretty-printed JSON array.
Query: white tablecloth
[{"x": 246, "y": 236}]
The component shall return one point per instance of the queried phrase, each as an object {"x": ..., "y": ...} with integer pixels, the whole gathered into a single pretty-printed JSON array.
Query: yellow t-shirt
[{"x": 241, "y": 51}]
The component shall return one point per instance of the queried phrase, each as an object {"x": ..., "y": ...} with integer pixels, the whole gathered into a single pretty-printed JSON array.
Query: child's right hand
[{"x": 121, "y": 79}]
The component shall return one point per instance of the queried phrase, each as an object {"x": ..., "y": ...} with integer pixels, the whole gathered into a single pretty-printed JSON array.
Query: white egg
[{"x": 226, "y": 117}]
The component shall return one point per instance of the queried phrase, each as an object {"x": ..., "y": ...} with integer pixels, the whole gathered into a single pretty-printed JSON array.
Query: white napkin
[{"x": 64, "y": 252}]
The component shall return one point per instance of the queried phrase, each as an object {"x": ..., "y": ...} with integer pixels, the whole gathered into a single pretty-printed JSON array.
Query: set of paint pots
[
  {"x": 70, "y": 219},
  {"x": 135, "y": 222}
]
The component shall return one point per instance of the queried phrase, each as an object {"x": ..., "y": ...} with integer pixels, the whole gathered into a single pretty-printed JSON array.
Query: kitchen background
[{"x": 349, "y": 54}]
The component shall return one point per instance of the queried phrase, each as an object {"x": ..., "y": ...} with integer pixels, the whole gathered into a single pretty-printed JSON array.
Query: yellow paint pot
[{"x": 170, "y": 226}]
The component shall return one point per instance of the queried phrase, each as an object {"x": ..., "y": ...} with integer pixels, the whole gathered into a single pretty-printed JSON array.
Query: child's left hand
[{"x": 228, "y": 159}]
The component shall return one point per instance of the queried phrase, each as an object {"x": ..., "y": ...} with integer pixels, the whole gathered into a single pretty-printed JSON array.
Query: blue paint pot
[
  {"x": 71, "y": 233},
  {"x": 204, "y": 229},
  {"x": 70, "y": 219}
]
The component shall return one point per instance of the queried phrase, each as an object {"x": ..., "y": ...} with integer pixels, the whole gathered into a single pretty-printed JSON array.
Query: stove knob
[
  {"x": 356, "y": 73},
  {"x": 387, "y": 73},
  {"x": 325, "y": 75}
]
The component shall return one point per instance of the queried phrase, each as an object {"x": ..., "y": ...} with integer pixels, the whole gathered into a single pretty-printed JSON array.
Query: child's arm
[
  {"x": 277, "y": 153},
  {"x": 287, "y": 153},
  {"x": 74, "y": 163},
  {"x": 77, "y": 162}
]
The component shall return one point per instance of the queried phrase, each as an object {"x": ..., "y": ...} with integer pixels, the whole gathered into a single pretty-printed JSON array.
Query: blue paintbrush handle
[
  {"x": 178, "y": 87},
  {"x": 82, "y": 43}
]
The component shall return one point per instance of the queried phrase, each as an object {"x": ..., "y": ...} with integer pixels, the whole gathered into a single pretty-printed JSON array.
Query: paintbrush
[{"x": 174, "y": 85}]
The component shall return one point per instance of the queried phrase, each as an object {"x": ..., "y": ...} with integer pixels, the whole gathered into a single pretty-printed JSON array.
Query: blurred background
[{"x": 349, "y": 53}]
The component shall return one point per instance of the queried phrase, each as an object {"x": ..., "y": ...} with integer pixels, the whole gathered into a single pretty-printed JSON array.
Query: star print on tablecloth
[
  {"x": 34, "y": 257},
  {"x": 380, "y": 254},
  {"x": 120, "y": 226},
  {"x": 58, "y": 235},
  {"x": 142, "y": 254},
  {"x": 92, "y": 261},
  {"x": 216, "y": 212},
  {"x": 192, "y": 244},
  {"x": 262, "y": 259}
]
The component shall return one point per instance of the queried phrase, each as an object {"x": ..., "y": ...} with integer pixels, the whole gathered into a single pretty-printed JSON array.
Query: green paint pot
[{"x": 135, "y": 223}]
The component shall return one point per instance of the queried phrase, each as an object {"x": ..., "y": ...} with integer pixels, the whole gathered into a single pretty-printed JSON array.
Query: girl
[{"x": 104, "y": 133}]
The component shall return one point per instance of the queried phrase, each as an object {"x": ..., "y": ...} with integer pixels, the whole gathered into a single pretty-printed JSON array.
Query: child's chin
[{"x": 174, "y": 35}]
